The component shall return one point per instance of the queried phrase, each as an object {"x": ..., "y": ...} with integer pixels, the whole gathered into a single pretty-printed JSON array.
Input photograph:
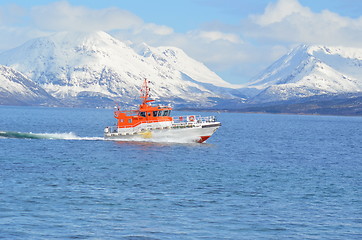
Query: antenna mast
[{"x": 145, "y": 92}]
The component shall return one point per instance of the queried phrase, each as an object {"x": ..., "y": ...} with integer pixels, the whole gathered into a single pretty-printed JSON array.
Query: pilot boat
[{"x": 154, "y": 122}]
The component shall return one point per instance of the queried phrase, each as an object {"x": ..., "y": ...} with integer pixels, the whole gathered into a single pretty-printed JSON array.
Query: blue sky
[{"x": 235, "y": 38}]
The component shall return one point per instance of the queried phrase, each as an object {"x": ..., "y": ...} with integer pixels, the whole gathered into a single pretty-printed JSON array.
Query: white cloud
[
  {"x": 18, "y": 25},
  {"x": 155, "y": 29},
  {"x": 211, "y": 36},
  {"x": 289, "y": 22},
  {"x": 61, "y": 16},
  {"x": 278, "y": 11}
]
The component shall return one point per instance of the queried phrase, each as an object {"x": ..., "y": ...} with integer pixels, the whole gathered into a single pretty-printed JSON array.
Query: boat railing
[
  {"x": 194, "y": 119},
  {"x": 110, "y": 129},
  {"x": 188, "y": 120}
]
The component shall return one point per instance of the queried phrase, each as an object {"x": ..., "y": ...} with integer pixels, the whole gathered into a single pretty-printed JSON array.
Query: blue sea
[{"x": 259, "y": 176}]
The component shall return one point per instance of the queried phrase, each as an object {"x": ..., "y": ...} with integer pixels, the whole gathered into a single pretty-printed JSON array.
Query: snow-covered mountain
[
  {"x": 76, "y": 67},
  {"x": 17, "y": 89},
  {"x": 309, "y": 71},
  {"x": 95, "y": 69}
]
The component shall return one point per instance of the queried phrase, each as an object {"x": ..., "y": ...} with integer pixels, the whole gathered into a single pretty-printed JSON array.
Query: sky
[{"x": 237, "y": 39}]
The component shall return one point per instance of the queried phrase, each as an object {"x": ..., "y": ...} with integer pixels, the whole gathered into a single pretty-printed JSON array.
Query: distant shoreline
[{"x": 352, "y": 112}]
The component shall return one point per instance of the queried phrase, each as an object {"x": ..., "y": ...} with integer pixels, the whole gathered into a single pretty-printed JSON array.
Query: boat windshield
[{"x": 164, "y": 113}]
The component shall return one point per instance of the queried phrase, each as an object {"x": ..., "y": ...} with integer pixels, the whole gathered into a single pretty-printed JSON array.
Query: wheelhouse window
[
  {"x": 130, "y": 120},
  {"x": 163, "y": 113},
  {"x": 143, "y": 114},
  {"x": 166, "y": 113}
]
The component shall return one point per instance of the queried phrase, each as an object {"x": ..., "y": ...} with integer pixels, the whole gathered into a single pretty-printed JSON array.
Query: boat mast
[{"x": 145, "y": 92}]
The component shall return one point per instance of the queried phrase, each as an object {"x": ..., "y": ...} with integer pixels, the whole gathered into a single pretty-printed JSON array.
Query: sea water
[{"x": 259, "y": 176}]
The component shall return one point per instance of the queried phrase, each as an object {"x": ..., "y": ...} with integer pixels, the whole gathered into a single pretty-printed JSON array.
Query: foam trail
[
  {"x": 156, "y": 137},
  {"x": 60, "y": 136}
]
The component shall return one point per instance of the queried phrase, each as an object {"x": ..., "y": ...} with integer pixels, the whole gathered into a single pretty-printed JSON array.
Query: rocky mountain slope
[{"x": 17, "y": 89}]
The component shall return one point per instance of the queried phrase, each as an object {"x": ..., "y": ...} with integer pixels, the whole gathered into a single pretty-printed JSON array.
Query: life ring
[{"x": 191, "y": 118}]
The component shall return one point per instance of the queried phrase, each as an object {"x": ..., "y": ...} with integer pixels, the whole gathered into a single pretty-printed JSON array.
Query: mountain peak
[
  {"x": 314, "y": 50},
  {"x": 96, "y": 38}
]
